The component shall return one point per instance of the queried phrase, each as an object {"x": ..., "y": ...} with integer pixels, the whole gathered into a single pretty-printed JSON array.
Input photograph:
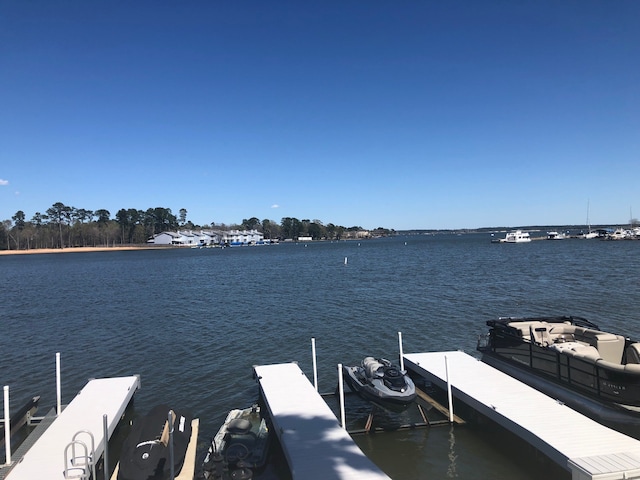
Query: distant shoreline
[{"x": 34, "y": 251}]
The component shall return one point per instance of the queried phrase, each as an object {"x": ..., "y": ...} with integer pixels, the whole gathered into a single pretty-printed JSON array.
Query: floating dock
[
  {"x": 46, "y": 457},
  {"x": 313, "y": 442},
  {"x": 587, "y": 449}
]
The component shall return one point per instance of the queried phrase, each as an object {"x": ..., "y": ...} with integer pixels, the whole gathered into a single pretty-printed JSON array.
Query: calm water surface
[{"x": 193, "y": 322}]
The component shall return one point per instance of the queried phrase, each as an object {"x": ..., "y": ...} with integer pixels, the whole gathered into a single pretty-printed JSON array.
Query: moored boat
[
  {"x": 146, "y": 452},
  {"x": 553, "y": 235},
  {"x": 570, "y": 358},
  {"x": 516, "y": 236},
  {"x": 240, "y": 447},
  {"x": 381, "y": 382}
]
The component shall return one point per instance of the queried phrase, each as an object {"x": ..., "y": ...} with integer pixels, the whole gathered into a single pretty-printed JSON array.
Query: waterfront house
[
  {"x": 244, "y": 237},
  {"x": 186, "y": 238},
  {"x": 166, "y": 238}
]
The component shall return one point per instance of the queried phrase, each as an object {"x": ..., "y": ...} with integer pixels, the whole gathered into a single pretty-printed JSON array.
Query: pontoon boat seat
[{"x": 633, "y": 353}]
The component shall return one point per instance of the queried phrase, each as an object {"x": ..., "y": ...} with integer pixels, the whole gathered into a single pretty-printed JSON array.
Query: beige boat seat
[
  {"x": 584, "y": 352},
  {"x": 527, "y": 329},
  {"x": 562, "y": 333},
  {"x": 609, "y": 345},
  {"x": 633, "y": 353}
]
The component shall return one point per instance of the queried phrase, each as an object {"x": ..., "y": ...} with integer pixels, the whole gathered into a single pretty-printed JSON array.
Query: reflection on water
[
  {"x": 451, "y": 471},
  {"x": 193, "y": 322}
]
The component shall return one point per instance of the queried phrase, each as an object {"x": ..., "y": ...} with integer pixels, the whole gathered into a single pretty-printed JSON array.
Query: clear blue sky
[{"x": 407, "y": 114}]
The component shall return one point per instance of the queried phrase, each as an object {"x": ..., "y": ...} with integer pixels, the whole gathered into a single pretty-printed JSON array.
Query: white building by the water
[
  {"x": 208, "y": 237},
  {"x": 186, "y": 238},
  {"x": 244, "y": 237}
]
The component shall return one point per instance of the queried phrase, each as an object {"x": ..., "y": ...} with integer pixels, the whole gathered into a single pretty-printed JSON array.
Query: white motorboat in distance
[
  {"x": 517, "y": 236},
  {"x": 556, "y": 235}
]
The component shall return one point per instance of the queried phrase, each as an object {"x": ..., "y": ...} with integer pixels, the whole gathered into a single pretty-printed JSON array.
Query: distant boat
[
  {"x": 590, "y": 234},
  {"x": 619, "y": 234},
  {"x": 555, "y": 236},
  {"x": 517, "y": 236}
]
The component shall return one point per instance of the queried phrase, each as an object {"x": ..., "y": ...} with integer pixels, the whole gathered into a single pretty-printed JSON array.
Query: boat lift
[
  {"x": 369, "y": 428},
  {"x": 24, "y": 416}
]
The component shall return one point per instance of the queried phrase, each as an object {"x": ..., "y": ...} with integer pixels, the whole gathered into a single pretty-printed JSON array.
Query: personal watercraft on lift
[{"x": 382, "y": 383}]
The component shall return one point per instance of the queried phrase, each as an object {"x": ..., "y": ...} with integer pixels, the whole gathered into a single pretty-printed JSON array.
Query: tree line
[{"x": 64, "y": 226}]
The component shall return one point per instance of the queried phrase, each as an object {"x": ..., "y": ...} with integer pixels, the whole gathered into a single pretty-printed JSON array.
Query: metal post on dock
[
  {"x": 7, "y": 427},
  {"x": 341, "y": 390},
  {"x": 171, "y": 460},
  {"x": 401, "y": 353},
  {"x": 105, "y": 455},
  {"x": 449, "y": 396},
  {"x": 315, "y": 366},
  {"x": 58, "y": 389}
]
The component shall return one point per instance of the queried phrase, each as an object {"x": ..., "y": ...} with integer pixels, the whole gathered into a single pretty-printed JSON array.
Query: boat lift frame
[
  {"x": 369, "y": 428},
  {"x": 30, "y": 420}
]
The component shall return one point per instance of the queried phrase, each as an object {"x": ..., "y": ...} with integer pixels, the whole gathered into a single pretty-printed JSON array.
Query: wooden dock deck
[
  {"x": 104, "y": 396},
  {"x": 314, "y": 443},
  {"x": 582, "y": 446}
]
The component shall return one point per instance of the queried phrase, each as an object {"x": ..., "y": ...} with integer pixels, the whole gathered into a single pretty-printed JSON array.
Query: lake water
[{"x": 193, "y": 322}]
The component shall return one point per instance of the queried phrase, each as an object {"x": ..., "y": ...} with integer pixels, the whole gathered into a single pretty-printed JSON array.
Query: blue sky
[{"x": 409, "y": 114}]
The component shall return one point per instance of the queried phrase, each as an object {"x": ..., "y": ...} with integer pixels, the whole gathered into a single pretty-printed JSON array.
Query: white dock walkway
[
  {"x": 315, "y": 445},
  {"x": 584, "y": 447},
  {"x": 45, "y": 459}
]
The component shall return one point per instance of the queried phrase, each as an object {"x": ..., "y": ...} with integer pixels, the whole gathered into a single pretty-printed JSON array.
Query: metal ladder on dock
[{"x": 81, "y": 466}]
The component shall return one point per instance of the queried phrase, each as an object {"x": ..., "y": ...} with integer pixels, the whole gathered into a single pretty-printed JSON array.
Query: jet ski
[{"x": 382, "y": 383}]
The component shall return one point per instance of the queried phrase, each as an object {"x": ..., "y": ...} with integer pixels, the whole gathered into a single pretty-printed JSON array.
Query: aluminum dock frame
[{"x": 587, "y": 449}]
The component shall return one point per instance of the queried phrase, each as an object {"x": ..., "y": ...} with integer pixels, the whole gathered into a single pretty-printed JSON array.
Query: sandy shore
[{"x": 80, "y": 250}]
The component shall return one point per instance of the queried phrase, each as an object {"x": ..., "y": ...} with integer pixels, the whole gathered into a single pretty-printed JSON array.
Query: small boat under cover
[
  {"x": 239, "y": 448},
  {"x": 146, "y": 453},
  {"x": 382, "y": 383}
]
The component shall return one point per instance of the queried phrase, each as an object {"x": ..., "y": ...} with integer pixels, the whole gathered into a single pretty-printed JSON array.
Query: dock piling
[
  {"x": 449, "y": 395},
  {"x": 7, "y": 427},
  {"x": 341, "y": 390},
  {"x": 58, "y": 387},
  {"x": 105, "y": 455},
  {"x": 171, "y": 460},
  {"x": 315, "y": 366},
  {"x": 401, "y": 353}
]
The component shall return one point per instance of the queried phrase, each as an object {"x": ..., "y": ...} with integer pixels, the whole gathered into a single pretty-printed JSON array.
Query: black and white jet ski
[{"x": 382, "y": 383}]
